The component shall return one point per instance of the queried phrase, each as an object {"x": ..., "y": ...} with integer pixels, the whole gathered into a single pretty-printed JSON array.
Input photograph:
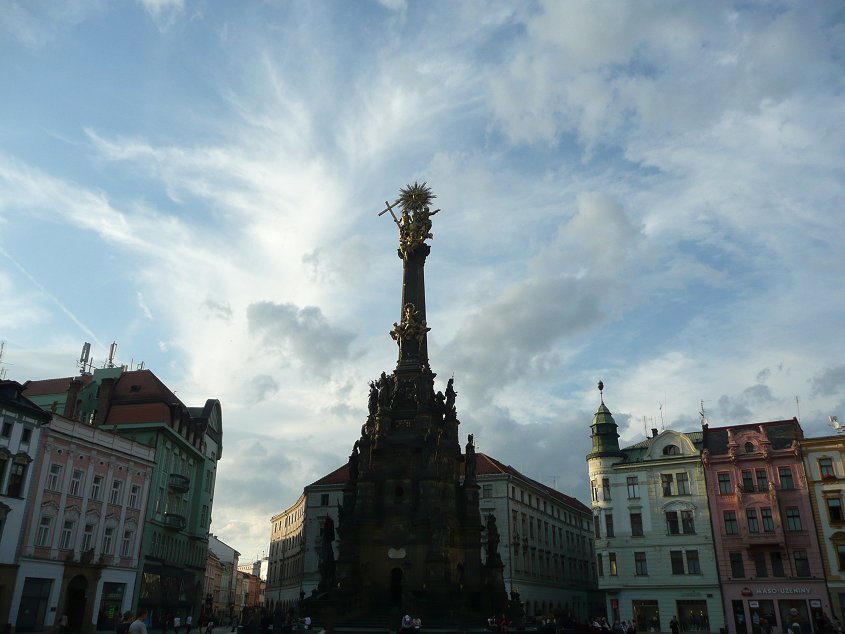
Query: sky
[{"x": 647, "y": 193}]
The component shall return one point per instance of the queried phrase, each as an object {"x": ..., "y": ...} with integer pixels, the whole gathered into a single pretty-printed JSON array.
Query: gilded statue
[
  {"x": 410, "y": 327},
  {"x": 414, "y": 222}
]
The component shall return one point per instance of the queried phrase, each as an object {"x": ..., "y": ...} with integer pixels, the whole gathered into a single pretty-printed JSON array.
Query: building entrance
[
  {"x": 646, "y": 616},
  {"x": 692, "y": 616}
]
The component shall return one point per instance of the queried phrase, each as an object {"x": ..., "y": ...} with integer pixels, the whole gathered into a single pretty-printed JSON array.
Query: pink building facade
[{"x": 764, "y": 533}]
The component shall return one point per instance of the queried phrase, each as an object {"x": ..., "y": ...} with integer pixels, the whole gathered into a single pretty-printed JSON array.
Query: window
[
  {"x": 762, "y": 480},
  {"x": 834, "y": 509},
  {"x": 693, "y": 567},
  {"x": 753, "y": 522},
  {"x": 667, "y": 482},
  {"x": 7, "y": 430},
  {"x": 637, "y": 524},
  {"x": 108, "y": 538},
  {"x": 65, "y": 540},
  {"x": 731, "y": 527},
  {"x": 672, "y": 526},
  {"x": 611, "y": 560},
  {"x": 594, "y": 487},
  {"x": 737, "y": 566},
  {"x": 840, "y": 555},
  {"x": 324, "y": 499},
  {"x": 793, "y": 519},
  {"x": 87, "y": 536},
  {"x": 605, "y": 489},
  {"x": 126, "y": 546},
  {"x": 671, "y": 450},
  {"x": 633, "y": 487},
  {"x": 687, "y": 522},
  {"x": 683, "y": 484},
  {"x": 640, "y": 565},
  {"x": 768, "y": 521},
  {"x": 677, "y": 559},
  {"x": 114, "y": 496},
  {"x": 96, "y": 485},
  {"x": 785, "y": 475},
  {"x": 826, "y": 468},
  {"x": 760, "y": 563},
  {"x": 802, "y": 564},
  {"x": 26, "y": 435},
  {"x": 777, "y": 564},
  {"x": 600, "y": 564},
  {"x": 42, "y": 537},
  {"x": 76, "y": 482},
  {"x": 487, "y": 491},
  {"x": 54, "y": 477},
  {"x": 725, "y": 483},
  {"x": 747, "y": 481},
  {"x": 16, "y": 477},
  {"x": 749, "y": 447},
  {"x": 608, "y": 525},
  {"x": 134, "y": 493},
  {"x": 596, "y": 526}
]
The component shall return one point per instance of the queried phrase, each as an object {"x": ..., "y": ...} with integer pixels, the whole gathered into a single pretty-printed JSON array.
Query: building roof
[
  {"x": 780, "y": 433},
  {"x": 486, "y": 465},
  {"x": 11, "y": 396},
  {"x": 637, "y": 451},
  {"x": 338, "y": 476},
  {"x": 46, "y": 387}
]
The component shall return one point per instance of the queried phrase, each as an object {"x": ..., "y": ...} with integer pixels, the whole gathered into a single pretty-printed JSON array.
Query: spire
[{"x": 604, "y": 431}]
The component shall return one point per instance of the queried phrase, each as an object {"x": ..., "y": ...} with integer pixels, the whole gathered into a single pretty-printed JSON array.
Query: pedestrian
[
  {"x": 138, "y": 626},
  {"x": 63, "y": 624},
  {"x": 504, "y": 623},
  {"x": 122, "y": 626},
  {"x": 189, "y": 622},
  {"x": 177, "y": 623},
  {"x": 674, "y": 625}
]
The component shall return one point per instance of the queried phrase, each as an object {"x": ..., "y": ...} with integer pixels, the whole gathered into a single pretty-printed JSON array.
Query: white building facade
[{"x": 653, "y": 536}]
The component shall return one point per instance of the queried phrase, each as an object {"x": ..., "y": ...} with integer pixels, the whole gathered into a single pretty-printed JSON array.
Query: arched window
[
  {"x": 749, "y": 447},
  {"x": 671, "y": 450}
]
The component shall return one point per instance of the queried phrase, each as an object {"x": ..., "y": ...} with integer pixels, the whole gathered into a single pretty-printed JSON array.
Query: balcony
[
  {"x": 175, "y": 521},
  {"x": 179, "y": 482}
]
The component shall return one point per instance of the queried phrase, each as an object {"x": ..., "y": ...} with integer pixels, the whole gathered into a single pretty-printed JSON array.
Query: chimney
[
  {"x": 72, "y": 394},
  {"x": 653, "y": 432},
  {"x": 103, "y": 399}
]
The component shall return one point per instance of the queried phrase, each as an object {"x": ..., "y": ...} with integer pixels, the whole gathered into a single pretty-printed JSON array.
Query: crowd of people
[{"x": 410, "y": 625}]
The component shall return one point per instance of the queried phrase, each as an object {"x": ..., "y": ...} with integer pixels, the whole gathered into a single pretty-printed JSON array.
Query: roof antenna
[
  {"x": 797, "y": 409},
  {"x": 662, "y": 425},
  {"x": 85, "y": 361},
  {"x": 112, "y": 352},
  {"x": 703, "y": 416}
]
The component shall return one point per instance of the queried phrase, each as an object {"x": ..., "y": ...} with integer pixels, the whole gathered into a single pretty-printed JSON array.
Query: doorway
[
  {"x": 33, "y": 607},
  {"x": 396, "y": 587},
  {"x": 74, "y": 604}
]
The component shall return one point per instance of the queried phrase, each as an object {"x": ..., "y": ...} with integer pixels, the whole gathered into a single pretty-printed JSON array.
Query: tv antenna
[
  {"x": 662, "y": 425},
  {"x": 703, "y": 416},
  {"x": 797, "y": 409},
  {"x": 112, "y": 352},
  {"x": 2, "y": 363},
  {"x": 86, "y": 362}
]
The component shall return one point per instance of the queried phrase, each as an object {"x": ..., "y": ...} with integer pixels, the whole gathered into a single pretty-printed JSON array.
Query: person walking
[
  {"x": 674, "y": 625},
  {"x": 189, "y": 622},
  {"x": 122, "y": 626},
  {"x": 138, "y": 626}
]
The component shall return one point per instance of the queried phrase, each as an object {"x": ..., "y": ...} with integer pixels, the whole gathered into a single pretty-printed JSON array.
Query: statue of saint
[
  {"x": 492, "y": 540},
  {"x": 354, "y": 459},
  {"x": 327, "y": 565},
  {"x": 469, "y": 468}
]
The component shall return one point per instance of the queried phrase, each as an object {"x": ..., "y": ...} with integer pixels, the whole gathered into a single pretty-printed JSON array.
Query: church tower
[{"x": 409, "y": 529}]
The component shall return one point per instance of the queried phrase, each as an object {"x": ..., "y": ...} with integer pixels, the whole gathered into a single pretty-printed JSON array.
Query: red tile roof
[{"x": 52, "y": 386}]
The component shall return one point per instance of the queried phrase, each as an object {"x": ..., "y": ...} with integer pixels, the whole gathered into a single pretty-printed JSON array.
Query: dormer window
[
  {"x": 671, "y": 450},
  {"x": 749, "y": 447}
]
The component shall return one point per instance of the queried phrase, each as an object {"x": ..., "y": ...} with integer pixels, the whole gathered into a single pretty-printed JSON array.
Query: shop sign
[
  {"x": 815, "y": 604},
  {"x": 753, "y": 604},
  {"x": 799, "y": 590},
  {"x": 746, "y": 592}
]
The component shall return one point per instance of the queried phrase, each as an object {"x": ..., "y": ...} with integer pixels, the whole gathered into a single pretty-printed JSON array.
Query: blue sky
[{"x": 648, "y": 193}]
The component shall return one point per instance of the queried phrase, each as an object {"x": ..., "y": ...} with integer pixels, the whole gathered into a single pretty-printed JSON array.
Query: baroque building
[
  {"x": 766, "y": 545},
  {"x": 21, "y": 423},
  {"x": 81, "y": 541},
  {"x": 654, "y": 543},
  {"x": 824, "y": 464},
  {"x": 137, "y": 406}
]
